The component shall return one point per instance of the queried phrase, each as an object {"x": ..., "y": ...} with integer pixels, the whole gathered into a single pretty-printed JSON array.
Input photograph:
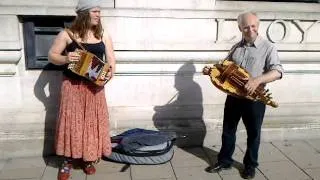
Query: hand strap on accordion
[{"x": 74, "y": 39}]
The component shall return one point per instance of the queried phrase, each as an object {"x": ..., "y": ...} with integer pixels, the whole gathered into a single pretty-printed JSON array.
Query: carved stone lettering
[
  {"x": 220, "y": 39},
  {"x": 304, "y": 31},
  {"x": 286, "y": 31}
]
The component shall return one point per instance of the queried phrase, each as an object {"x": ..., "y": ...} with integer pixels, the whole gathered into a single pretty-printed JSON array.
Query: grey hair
[{"x": 242, "y": 15}]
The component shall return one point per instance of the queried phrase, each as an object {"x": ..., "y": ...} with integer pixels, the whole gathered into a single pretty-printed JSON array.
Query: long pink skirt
[{"x": 83, "y": 123}]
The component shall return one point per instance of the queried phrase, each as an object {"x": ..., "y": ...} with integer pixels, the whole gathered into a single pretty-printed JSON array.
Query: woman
[{"x": 82, "y": 127}]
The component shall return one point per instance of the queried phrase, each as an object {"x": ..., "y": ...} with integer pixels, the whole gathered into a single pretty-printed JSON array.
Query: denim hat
[{"x": 87, "y": 4}]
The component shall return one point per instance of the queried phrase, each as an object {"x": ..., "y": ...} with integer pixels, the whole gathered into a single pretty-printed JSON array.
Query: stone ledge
[
  {"x": 292, "y": 116},
  {"x": 207, "y": 14},
  {"x": 8, "y": 69},
  {"x": 267, "y": 14},
  {"x": 166, "y": 4},
  {"x": 173, "y": 57},
  {"x": 10, "y": 57},
  {"x": 267, "y": 6},
  {"x": 30, "y": 136},
  {"x": 49, "y": 3},
  {"x": 39, "y": 147}
]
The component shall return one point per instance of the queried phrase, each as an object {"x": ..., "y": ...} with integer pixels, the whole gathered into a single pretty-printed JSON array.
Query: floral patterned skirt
[{"x": 83, "y": 124}]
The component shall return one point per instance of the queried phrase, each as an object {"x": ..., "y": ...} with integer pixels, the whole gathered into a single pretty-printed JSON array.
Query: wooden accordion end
[
  {"x": 231, "y": 78},
  {"x": 90, "y": 67}
]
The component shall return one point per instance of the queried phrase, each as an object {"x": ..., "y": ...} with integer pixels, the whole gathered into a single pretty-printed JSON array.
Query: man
[{"x": 259, "y": 57}]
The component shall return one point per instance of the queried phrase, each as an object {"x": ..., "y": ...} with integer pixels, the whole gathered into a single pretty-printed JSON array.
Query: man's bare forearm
[{"x": 269, "y": 77}]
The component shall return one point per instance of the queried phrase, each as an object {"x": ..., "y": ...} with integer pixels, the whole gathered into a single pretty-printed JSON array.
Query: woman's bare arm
[
  {"x": 109, "y": 52},
  {"x": 58, "y": 46}
]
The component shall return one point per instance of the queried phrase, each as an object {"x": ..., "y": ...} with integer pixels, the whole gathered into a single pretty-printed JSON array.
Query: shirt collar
[
  {"x": 255, "y": 44},
  {"x": 258, "y": 41}
]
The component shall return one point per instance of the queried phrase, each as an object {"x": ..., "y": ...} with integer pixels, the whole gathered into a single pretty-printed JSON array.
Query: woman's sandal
[
  {"x": 89, "y": 168},
  {"x": 65, "y": 171}
]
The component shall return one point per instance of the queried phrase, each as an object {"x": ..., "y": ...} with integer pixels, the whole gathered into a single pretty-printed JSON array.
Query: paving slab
[
  {"x": 233, "y": 170},
  {"x": 212, "y": 153},
  {"x": 78, "y": 174},
  {"x": 53, "y": 164},
  {"x": 2, "y": 162},
  {"x": 19, "y": 168},
  {"x": 300, "y": 152},
  {"x": 190, "y": 157},
  {"x": 112, "y": 167},
  {"x": 194, "y": 173},
  {"x": 293, "y": 146},
  {"x": 292, "y": 160},
  {"x": 50, "y": 173},
  {"x": 143, "y": 172},
  {"x": 314, "y": 143},
  {"x": 111, "y": 170},
  {"x": 314, "y": 173},
  {"x": 28, "y": 162},
  {"x": 22, "y": 173},
  {"x": 162, "y": 179},
  {"x": 269, "y": 153},
  {"x": 115, "y": 176},
  {"x": 284, "y": 170},
  {"x": 258, "y": 176}
]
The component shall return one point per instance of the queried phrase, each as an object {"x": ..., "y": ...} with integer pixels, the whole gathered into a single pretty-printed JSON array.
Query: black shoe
[
  {"x": 249, "y": 173},
  {"x": 218, "y": 167}
]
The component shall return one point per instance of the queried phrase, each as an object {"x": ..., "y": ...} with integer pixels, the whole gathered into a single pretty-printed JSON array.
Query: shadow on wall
[
  {"x": 47, "y": 90},
  {"x": 184, "y": 114}
]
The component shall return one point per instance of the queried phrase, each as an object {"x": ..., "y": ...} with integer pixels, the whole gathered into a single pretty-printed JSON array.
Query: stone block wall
[{"x": 161, "y": 48}]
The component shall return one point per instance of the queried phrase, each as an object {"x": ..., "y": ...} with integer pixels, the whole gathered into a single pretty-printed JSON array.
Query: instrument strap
[
  {"x": 232, "y": 50},
  {"x": 74, "y": 39}
]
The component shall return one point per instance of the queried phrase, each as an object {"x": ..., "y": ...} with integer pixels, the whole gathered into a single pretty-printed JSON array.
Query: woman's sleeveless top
[{"x": 97, "y": 49}]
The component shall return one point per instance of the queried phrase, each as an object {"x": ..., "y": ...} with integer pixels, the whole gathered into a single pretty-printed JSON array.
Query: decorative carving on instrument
[{"x": 231, "y": 79}]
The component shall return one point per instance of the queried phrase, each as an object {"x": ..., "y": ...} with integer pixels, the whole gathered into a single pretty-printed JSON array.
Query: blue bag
[{"x": 141, "y": 146}]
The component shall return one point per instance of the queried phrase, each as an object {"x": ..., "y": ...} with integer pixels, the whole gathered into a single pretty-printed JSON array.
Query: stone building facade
[{"x": 161, "y": 48}]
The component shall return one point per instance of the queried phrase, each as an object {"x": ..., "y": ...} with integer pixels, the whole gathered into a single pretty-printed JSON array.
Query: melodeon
[
  {"x": 231, "y": 79},
  {"x": 90, "y": 67}
]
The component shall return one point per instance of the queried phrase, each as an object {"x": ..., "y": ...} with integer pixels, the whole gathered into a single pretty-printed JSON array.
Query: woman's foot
[
  {"x": 65, "y": 170},
  {"x": 89, "y": 168}
]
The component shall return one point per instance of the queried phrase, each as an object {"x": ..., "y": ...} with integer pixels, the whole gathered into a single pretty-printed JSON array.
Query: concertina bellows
[
  {"x": 89, "y": 65},
  {"x": 231, "y": 79}
]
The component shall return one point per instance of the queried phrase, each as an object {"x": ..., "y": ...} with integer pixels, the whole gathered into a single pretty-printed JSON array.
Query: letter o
[{"x": 286, "y": 30}]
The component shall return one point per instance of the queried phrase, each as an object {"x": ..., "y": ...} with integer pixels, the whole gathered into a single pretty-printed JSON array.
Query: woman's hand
[
  {"x": 109, "y": 74},
  {"x": 73, "y": 57}
]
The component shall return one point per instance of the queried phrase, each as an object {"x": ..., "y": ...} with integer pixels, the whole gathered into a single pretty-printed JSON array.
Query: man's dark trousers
[{"x": 252, "y": 113}]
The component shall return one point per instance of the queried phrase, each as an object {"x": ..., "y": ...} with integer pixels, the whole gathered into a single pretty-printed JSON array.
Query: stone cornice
[
  {"x": 178, "y": 4},
  {"x": 202, "y": 56},
  {"x": 221, "y": 9},
  {"x": 48, "y": 3},
  {"x": 267, "y": 6},
  {"x": 147, "y": 13},
  {"x": 11, "y": 57},
  {"x": 167, "y": 34}
]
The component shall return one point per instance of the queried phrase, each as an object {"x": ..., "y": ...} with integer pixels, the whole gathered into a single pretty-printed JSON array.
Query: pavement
[{"x": 279, "y": 160}]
